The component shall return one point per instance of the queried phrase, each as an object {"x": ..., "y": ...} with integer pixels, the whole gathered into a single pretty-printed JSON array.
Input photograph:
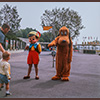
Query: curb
[{"x": 16, "y": 51}]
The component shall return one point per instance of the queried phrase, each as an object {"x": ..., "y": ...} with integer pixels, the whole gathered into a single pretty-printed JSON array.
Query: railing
[{"x": 13, "y": 44}]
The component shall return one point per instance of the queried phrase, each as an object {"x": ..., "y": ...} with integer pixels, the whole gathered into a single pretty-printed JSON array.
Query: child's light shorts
[{"x": 3, "y": 79}]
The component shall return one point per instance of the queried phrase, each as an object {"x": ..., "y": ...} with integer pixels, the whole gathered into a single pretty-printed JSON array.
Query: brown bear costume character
[{"x": 63, "y": 55}]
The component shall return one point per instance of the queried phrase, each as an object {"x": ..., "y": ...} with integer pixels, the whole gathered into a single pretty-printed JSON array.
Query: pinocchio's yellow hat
[{"x": 36, "y": 33}]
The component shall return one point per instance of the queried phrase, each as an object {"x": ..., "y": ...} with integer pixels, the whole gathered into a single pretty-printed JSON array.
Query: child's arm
[{"x": 7, "y": 71}]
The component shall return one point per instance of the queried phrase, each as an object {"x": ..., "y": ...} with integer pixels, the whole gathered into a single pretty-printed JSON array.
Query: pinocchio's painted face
[
  {"x": 34, "y": 36},
  {"x": 33, "y": 39}
]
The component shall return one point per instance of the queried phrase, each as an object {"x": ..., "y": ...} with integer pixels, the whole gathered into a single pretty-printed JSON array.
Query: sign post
[
  {"x": 53, "y": 52},
  {"x": 53, "y": 55},
  {"x": 47, "y": 27}
]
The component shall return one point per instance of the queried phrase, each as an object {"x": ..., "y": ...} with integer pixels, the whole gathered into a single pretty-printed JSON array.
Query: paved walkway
[{"x": 84, "y": 79}]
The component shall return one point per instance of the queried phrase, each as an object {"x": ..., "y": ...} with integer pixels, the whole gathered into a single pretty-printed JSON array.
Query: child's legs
[
  {"x": 3, "y": 79},
  {"x": 7, "y": 86},
  {"x": 29, "y": 69},
  {"x": 1, "y": 84},
  {"x": 36, "y": 69}
]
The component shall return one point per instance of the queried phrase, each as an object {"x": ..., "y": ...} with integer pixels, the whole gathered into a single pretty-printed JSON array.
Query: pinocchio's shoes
[
  {"x": 37, "y": 77},
  {"x": 26, "y": 77}
]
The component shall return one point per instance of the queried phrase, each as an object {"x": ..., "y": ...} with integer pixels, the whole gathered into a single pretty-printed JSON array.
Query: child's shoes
[
  {"x": 8, "y": 94},
  {"x": 2, "y": 86}
]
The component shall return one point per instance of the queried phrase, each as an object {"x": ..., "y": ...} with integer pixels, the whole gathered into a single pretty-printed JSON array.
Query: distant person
[
  {"x": 53, "y": 52},
  {"x": 3, "y": 30},
  {"x": 5, "y": 72}
]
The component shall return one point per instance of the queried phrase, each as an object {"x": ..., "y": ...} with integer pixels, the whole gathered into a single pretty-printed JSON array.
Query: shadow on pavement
[
  {"x": 20, "y": 81},
  {"x": 85, "y": 75},
  {"x": 48, "y": 84}
]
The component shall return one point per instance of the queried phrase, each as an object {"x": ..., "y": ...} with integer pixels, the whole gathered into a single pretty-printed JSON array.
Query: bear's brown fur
[{"x": 63, "y": 55}]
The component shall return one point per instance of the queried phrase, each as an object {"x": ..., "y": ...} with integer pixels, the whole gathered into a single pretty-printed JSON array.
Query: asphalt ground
[{"x": 84, "y": 78}]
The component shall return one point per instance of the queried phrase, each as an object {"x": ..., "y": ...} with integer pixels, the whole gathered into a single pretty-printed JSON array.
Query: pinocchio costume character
[{"x": 34, "y": 51}]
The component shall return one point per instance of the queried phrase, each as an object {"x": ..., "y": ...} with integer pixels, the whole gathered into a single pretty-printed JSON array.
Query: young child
[
  {"x": 5, "y": 72},
  {"x": 34, "y": 51}
]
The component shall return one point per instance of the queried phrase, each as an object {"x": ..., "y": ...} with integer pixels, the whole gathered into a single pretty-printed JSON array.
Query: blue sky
[{"x": 30, "y": 12}]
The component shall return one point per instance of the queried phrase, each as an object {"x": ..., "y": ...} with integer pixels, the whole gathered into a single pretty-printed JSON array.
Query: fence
[
  {"x": 13, "y": 44},
  {"x": 89, "y": 49}
]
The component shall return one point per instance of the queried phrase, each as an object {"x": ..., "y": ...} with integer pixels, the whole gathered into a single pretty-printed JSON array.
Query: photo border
[{"x": 49, "y": 1}]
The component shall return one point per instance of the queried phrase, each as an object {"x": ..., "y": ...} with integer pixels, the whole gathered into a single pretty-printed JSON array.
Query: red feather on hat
[{"x": 39, "y": 33}]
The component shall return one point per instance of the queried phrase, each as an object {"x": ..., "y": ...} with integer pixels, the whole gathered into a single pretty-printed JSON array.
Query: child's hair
[{"x": 5, "y": 55}]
